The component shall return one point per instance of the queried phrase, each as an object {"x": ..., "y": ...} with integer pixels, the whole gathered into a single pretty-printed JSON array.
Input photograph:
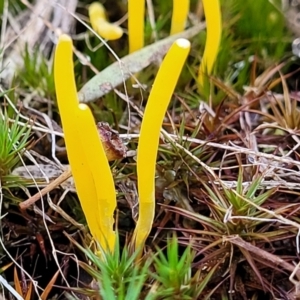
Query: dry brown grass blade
[
  {"x": 49, "y": 286},
  {"x": 238, "y": 241},
  {"x": 6, "y": 267},
  {"x": 18, "y": 287},
  {"x": 291, "y": 110},
  {"x": 67, "y": 174},
  {"x": 26, "y": 289},
  {"x": 285, "y": 110},
  {"x": 287, "y": 102},
  {"x": 277, "y": 81},
  {"x": 262, "y": 80},
  {"x": 251, "y": 262},
  {"x": 29, "y": 292},
  {"x": 230, "y": 92}
]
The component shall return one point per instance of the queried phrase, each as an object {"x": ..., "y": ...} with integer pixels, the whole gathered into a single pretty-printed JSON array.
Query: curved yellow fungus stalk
[
  {"x": 179, "y": 15},
  {"x": 68, "y": 107},
  {"x": 136, "y": 15},
  {"x": 100, "y": 24},
  {"x": 155, "y": 110},
  {"x": 212, "y": 12},
  {"x": 105, "y": 201}
]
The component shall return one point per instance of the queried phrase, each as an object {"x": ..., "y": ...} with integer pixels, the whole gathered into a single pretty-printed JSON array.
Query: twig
[
  {"x": 236, "y": 240},
  {"x": 59, "y": 180}
]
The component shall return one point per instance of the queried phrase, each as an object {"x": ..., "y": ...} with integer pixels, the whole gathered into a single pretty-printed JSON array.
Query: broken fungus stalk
[
  {"x": 155, "y": 111},
  {"x": 84, "y": 178},
  {"x": 105, "y": 200},
  {"x": 101, "y": 25},
  {"x": 136, "y": 15},
  {"x": 179, "y": 15},
  {"x": 212, "y": 12}
]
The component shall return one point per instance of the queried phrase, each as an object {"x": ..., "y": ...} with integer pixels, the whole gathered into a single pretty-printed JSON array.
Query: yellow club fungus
[
  {"x": 68, "y": 105},
  {"x": 179, "y": 15},
  {"x": 212, "y": 12},
  {"x": 155, "y": 110},
  {"x": 100, "y": 24},
  {"x": 105, "y": 201},
  {"x": 85, "y": 177},
  {"x": 136, "y": 15}
]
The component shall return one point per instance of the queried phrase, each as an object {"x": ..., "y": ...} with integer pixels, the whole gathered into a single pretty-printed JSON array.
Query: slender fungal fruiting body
[
  {"x": 179, "y": 15},
  {"x": 105, "y": 201},
  {"x": 136, "y": 14},
  {"x": 68, "y": 105},
  {"x": 159, "y": 98},
  {"x": 212, "y": 12},
  {"x": 95, "y": 202}
]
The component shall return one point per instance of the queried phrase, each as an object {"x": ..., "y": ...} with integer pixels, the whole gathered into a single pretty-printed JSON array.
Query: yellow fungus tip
[
  {"x": 82, "y": 106},
  {"x": 64, "y": 38},
  {"x": 97, "y": 10},
  {"x": 183, "y": 43}
]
